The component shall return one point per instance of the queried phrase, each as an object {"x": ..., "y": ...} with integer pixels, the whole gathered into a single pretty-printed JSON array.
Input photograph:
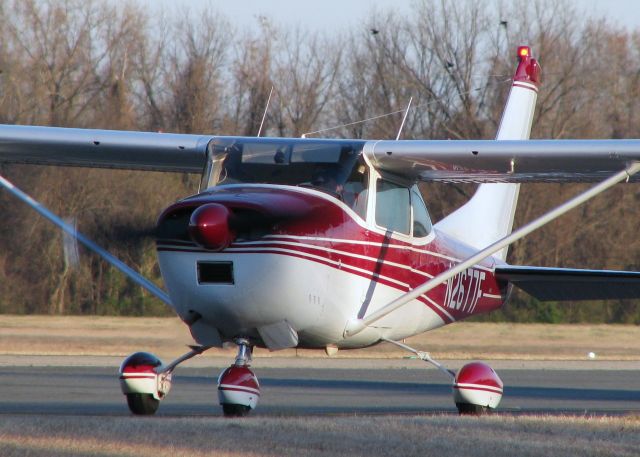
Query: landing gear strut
[
  {"x": 477, "y": 388},
  {"x": 238, "y": 387}
]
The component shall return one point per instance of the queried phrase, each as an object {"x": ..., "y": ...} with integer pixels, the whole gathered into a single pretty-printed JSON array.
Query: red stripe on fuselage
[
  {"x": 482, "y": 389},
  {"x": 352, "y": 270},
  {"x": 397, "y": 277},
  {"x": 330, "y": 235}
]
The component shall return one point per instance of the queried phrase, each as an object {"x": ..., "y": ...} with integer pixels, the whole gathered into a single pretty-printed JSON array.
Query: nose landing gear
[{"x": 238, "y": 387}]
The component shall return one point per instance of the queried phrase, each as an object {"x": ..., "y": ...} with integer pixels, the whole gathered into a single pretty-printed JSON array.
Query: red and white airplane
[{"x": 317, "y": 243}]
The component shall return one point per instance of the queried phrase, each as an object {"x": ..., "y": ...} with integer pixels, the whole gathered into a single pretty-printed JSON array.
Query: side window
[
  {"x": 421, "y": 219},
  {"x": 354, "y": 192},
  {"x": 393, "y": 210}
]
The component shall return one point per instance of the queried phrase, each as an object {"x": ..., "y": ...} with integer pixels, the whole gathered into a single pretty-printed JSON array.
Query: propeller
[{"x": 71, "y": 231}]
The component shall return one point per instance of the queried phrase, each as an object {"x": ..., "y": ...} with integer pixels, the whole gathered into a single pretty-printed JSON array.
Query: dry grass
[
  {"x": 368, "y": 436},
  {"x": 72, "y": 335}
]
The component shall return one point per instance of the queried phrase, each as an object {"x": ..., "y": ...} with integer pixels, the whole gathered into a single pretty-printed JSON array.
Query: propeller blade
[{"x": 71, "y": 231}]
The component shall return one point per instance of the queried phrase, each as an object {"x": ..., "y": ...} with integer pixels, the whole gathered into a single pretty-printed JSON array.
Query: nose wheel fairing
[{"x": 238, "y": 386}]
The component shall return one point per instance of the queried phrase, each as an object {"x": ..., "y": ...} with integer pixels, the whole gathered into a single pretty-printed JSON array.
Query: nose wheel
[{"x": 238, "y": 387}]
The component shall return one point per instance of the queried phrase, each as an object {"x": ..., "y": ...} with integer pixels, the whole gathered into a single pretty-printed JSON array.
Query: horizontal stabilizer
[{"x": 557, "y": 284}]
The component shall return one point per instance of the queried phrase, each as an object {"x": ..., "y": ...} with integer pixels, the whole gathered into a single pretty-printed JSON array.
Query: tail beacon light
[{"x": 528, "y": 68}]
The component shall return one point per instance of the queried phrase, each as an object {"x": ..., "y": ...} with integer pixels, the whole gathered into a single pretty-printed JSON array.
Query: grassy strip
[
  {"x": 368, "y": 436},
  {"x": 167, "y": 337}
]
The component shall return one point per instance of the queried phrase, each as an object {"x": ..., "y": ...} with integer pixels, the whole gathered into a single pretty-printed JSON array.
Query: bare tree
[
  {"x": 252, "y": 70},
  {"x": 193, "y": 71},
  {"x": 306, "y": 72}
]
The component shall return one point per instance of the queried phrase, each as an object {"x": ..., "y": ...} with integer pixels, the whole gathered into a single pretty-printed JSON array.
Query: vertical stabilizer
[{"x": 488, "y": 216}]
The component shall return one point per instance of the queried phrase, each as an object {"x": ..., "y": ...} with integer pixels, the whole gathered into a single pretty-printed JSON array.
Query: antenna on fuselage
[
  {"x": 264, "y": 115},
  {"x": 404, "y": 118},
  {"x": 392, "y": 113}
]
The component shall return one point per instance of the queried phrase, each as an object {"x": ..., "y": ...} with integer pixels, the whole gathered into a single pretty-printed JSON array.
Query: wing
[
  {"x": 559, "y": 284},
  {"x": 103, "y": 148},
  {"x": 436, "y": 160},
  {"x": 504, "y": 161}
]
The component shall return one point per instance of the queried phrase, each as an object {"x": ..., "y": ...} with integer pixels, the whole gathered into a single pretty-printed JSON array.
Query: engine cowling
[
  {"x": 476, "y": 387},
  {"x": 209, "y": 227},
  {"x": 138, "y": 376}
]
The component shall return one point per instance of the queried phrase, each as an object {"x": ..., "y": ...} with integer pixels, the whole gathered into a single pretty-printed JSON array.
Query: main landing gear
[
  {"x": 145, "y": 381},
  {"x": 477, "y": 388}
]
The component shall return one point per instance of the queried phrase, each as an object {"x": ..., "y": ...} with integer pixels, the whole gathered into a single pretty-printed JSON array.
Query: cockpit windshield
[{"x": 332, "y": 166}]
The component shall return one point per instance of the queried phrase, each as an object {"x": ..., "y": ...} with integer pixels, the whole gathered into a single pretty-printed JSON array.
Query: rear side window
[
  {"x": 393, "y": 207},
  {"x": 421, "y": 219}
]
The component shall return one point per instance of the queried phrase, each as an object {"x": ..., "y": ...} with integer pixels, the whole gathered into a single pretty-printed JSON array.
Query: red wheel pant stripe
[
  {"x": 240, "y": 389},
  {"x": 140, "y": 376},
  {"x": 493, "y": 391}
]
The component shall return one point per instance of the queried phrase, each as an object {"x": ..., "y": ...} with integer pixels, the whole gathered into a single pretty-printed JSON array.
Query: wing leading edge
[
  {"x": 103, "y": 148},
  {"x": 562, "y": 284},
  {"x": 505, "y": 161}
]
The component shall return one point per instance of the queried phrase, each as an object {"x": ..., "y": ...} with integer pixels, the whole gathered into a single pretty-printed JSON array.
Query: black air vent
[{"x": 215, "y": 272}]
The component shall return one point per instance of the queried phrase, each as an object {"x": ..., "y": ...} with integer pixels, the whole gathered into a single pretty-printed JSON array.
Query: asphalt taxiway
[{"x": 303, "y": 387}]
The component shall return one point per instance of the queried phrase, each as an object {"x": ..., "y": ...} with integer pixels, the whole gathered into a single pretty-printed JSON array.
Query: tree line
[{"x": 96, "y": 64}]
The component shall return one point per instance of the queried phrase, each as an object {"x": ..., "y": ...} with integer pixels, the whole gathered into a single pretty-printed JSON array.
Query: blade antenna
[
  {"x": 404, "y": 118},
  {"x": 264, "y": 115}
]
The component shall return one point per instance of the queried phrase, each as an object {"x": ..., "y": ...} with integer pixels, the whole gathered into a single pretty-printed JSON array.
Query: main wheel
[
  {"x": 142, "y": 404},
  {"x": 231, "y": 410},
  {"x": 471, "y": 410}
]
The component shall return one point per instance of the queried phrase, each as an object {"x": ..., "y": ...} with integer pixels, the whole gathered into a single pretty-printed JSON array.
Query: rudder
[{"x": 491, "y": 210}]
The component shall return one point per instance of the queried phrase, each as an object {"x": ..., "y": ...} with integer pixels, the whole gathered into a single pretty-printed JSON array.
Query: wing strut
[
  {"x": 117, "y": 263},
  {"x": 355, "y": 326}
]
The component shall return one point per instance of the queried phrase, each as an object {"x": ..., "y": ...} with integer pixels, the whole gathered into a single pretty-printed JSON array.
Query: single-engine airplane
[{"x": 318, "y": 243}]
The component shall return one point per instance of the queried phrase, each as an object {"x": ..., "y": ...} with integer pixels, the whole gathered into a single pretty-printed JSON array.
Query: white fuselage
[{"x": 311, "y": 278}]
